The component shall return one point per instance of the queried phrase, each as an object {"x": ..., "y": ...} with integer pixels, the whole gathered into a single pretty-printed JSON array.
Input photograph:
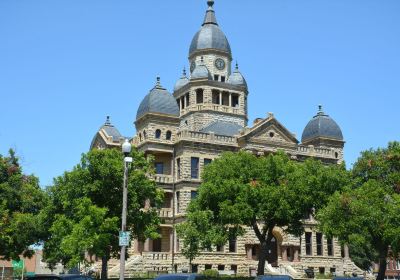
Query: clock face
[
  {"x": 220, "y": 64},
  {"x": 192, "y": 66}
]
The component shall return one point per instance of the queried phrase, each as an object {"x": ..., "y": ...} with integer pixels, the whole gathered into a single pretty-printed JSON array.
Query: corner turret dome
[
  {"x": 237, "y": 78},
  {"x": 323, "y": 126},
  {"x": 201, "y": 71},
  {"x": 210, "y": 36},
  {"x": 158, "y": 100},
  {"x": 182, "y": 81}
]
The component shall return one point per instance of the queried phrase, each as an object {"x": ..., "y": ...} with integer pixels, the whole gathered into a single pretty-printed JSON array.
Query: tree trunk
[
  {"x": 104, "y": 262},
  {"x": 262, "y": 257},
  {"x": 382, "y": 267}
]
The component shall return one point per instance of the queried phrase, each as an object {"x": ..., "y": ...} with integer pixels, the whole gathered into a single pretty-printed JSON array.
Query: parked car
[
  {"x": 180, "y": 276},
  {"x": 273, "y": 277},
  {"x": 59, "y": 277}
]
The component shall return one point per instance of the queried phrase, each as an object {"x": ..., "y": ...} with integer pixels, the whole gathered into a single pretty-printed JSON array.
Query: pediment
[{"x": 269, "y": 132}]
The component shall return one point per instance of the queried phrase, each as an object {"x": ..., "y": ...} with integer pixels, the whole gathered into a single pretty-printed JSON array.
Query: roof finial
[
  {"x": 184, "y": 71},
  {"x": 210, "y": 3},
  {"x": 320, "y": 112},
  {"x": 201, "y": 59},
  {"x": 107, "y": 121},
  {"x": 237, "y": 65},
  {"x": 158, "y": 80}
]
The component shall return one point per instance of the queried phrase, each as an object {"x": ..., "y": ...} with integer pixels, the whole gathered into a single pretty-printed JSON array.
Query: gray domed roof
[
  {"x": 236, "y": 78},
  {"x": 322, "y": 125},
  {"x": 201, "y": 71},
  {"x": 158, "y": 100},
  {"x": 223, "y": 128},
  {"x": 210, "y": 36},
  {"x": 182, "y": 81}
]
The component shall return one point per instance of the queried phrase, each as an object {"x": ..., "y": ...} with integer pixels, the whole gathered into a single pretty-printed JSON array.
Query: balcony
[
  {"x": 163, "y": 179},
  {"x": 165, "y": 213}
]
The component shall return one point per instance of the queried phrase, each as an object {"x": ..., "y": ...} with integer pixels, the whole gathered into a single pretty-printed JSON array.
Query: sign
[
  {"x": 17, "y": 264},
  {"x": 124, "y": 237}
]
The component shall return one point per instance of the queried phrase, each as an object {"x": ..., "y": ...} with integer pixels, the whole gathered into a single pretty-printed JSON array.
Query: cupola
[
  {"x": 201, "y": 71},
  {"x": 158, "y": 100},
  {"x": 236, "y": 78},
  {"x": 182, "y": 81},
  {"x": 322, "y": 126},
  {"x": 210, "y": 35}
]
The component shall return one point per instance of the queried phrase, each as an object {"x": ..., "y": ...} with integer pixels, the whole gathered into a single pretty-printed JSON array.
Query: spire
[{"x": 210, "y": 14}]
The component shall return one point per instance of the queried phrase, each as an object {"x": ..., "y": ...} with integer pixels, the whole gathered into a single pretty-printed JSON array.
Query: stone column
[
  {"x": 230, "y": 99},
  {"x": 346, "y": 251},
  {"x": 296, "y": 255},
  {"x": 147, "y": 245},
  {"x": 284, "y": 253},
  {"x": 171, "y": 240},
  {"x": 220, "y": 98},
  {"x": 185, "y": 99},
  {"x": 180, "y": 104}
]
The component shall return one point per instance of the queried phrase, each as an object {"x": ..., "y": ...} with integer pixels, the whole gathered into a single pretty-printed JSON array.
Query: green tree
[
  {"x": 21, "y": 199},
  {"x": 241, "y": 190},
  {"x": 366, "y": 214},
  {"x": 83, "y": 216}
]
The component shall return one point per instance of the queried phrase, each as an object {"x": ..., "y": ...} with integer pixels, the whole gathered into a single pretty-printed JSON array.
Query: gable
[{"x": 269, "y": 132}]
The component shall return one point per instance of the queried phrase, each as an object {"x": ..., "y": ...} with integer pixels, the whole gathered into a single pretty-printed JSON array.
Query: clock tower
[{"x": 213, "y": 95}]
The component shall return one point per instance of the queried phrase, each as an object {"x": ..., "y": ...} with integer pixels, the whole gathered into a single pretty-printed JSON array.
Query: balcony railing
[
  {"x": 163, "y": 179},
  {"x": 206, "y": 137},
  {"x": 165, "y": 212}
]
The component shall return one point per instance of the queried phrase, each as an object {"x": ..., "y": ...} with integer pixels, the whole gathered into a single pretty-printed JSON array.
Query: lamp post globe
[{"x": 126, "y": 147}]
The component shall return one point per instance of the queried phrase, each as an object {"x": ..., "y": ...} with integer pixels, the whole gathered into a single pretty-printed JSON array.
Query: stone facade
[{"x": 210, "y": 109}]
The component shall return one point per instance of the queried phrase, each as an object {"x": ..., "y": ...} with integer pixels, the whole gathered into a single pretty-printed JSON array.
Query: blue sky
[{"x": 65, "y": 65}]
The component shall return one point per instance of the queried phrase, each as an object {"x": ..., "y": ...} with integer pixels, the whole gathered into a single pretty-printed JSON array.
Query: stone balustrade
[
  {"x": 165, "y": 213},
  {"x": 206, "y": 137},
  {"x": 314, "y": 151},
  {"x": 163, "y": 178},
  {"x": 212, "y": 107}
]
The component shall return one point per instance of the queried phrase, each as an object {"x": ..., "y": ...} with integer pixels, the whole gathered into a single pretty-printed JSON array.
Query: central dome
[{"x": 210, "y": 36}]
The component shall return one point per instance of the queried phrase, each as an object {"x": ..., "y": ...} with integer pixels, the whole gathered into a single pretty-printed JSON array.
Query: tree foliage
[
  {"x": 84, "y": 213},
  {"x": 21, "y": 199},
  {"x": 240, "y": 191},
  {"x": 367, "y": 213}
]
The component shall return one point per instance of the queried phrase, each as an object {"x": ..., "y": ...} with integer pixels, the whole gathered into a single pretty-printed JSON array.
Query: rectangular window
[
  {"x": 193, "y": 194},
  {"x": 194, "y": 167},
  {"x": 221, "y": 267},
  {"x": 220, "y": 248},
  {"x": 159, "y": 166},
  {"x": 234, "y": 268},
  {"x": 319, "y": 244},
  {"x": 321, "y": 270},
  {"x": 216, "y": 77},
  {"x": 177, "y": 202},
  {"x": 330, "y": 246},
  {"x": 207, "y": 161},
  {"x": 207, "y": 266},
  {"x": 183, "y": 102},
  {"x": 223, "y": 79},
  {"x": 195, "y": 268},
  {"x": 308, "y": 243},
  {"x": 232, "y": 244},
  {"x": 178, "y": 167}
]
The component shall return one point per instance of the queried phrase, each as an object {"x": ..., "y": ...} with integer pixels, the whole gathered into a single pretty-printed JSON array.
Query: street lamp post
[{"x": 126, "y": 149}]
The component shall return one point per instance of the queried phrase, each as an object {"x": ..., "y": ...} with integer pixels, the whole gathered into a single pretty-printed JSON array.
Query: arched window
[
  {"x": 168, "y": 135},
  {"x": 199, "y": 96},
  {"x": 144, "y": 134},
  {"x": 140, "y": 137},
  {"x": 158, "y": 134}
]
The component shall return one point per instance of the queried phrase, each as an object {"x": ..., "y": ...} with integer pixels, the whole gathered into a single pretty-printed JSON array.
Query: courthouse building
[{"x": 204, "y": 116}]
